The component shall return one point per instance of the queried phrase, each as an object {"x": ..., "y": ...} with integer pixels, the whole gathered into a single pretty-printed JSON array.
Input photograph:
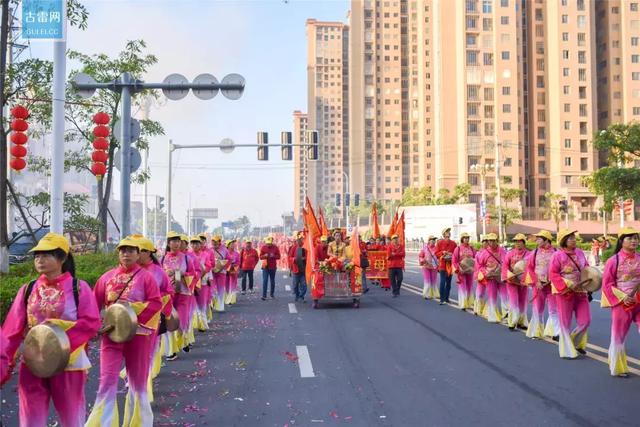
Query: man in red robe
[{"x": 444, "y": 252}]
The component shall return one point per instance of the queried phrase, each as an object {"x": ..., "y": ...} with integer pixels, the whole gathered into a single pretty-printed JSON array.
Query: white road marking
[
  {"x": 304, "y": 362},
  {"x": 287, "y": 288},
  {"x": 292, "y": 308}
]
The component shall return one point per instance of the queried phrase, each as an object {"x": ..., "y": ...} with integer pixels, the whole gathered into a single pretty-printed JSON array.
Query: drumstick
[{"x": 106, "y": 329}]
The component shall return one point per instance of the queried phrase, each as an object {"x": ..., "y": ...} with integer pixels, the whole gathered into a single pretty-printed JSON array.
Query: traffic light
[
  {"x": 459, "y": 220},
  {"x": 160, "y": 203},
  {"x": 263, "y": 152},
  {"x": 337, "y": 199},
  {"x": 287, "y": 149},
  {"x": 356, "y": 199},
  {"x": 312, "y": 149},
  {"x": 347, "y": 199},
  {"x": 564, "y": 207}
]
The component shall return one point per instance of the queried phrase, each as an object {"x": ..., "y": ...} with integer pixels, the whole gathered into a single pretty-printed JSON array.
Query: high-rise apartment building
[
  {"x": 328, "y": 71},
  {"x": 300, "y": 163},
  {"x": 437, "y": 86}
]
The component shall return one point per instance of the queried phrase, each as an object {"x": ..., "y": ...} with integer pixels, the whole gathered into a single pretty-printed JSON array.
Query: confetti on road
[{"x": 292, "y": 357}]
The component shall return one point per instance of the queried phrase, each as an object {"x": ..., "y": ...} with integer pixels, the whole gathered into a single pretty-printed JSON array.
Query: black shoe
[
  {"x": 186, "y": 349},
  {"x": 581, "y": 351},
  {"x": 556, "y": 338},
  {"x": 173, "y": 356},
  {"x": 263, "y": 298},
  {"x": 523, "y": 327},
  {"x": 244, "y": 293},
  {"x": 386, "y": 289},
  {"x": 201, "y": 330},
  {"x": 366, "y": 290},
  {"x": 513, "y": 328},
  {"x": 441, "y": 303}
]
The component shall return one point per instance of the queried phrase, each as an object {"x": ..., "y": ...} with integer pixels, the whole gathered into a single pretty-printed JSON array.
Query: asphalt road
[{"x": 392, "y": 362}]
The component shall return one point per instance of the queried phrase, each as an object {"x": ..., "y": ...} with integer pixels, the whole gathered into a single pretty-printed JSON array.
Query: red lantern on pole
[
  {"x": 101, "y": 144},
  {"x": 19, "y": 125},
  {"x": 17, "y": 164},
  {"x": 101, "y": 118},
  {"x": 101, "y": 131},
  {"x": 99, "y": 156},
  {"x": 99, "y": 169}
]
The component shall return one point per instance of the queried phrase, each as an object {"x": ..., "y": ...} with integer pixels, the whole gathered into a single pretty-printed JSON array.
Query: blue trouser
[
  {"x": 299, "y": 285},
  {"x": 266, "y": 275},
  {"x": 445, "y": 285}
]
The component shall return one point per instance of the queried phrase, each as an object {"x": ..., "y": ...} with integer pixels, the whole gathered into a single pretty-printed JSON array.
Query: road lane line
[
  {"x": 292, "y": 308},
  {"x": 630, "y": 360},
  {"x": 287, "y": 288},
  {"x": 304, "y": 362}
]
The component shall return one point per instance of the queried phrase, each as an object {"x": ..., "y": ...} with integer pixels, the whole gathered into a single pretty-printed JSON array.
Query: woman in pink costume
[
  {"x": 481, "y": 290},
  {"x": 130, "y": 283},
  {"x": 620, "y": 292},
  {"x": 202, "y": 261},
  {"x": 58, "y": 297},
  {"x": 564, "y": 273},
  {"x": 489, "y": 265},
  {"x": 465, "y": 280},
  {"x": 517, "y": 290},
  {"x": 232, "y": 273},
  {"x": 178, "y": 267},
  {"x": 537, "y": 276},
  {"x": 150, "y": 263},
  {"x": 221, "y": 265},
  {"x": 429, "y": 263},
  {"x": 193, "y": 279}
]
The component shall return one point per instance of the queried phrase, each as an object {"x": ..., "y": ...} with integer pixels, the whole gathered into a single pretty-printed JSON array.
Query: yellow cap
[
  {"x": 51, "y": 242},
  {"x": 299, "y": 235},
  {"x": 627, "y": 231},
  {"x": 519, "y": 236},
  {"x": 465, "y": 234},
  {"x": 446, "y": 230},
  {"x": 491, "y": 236},
  {"x": 172, "y": 235},
  {"x": 395, "y": 236},
  {"x": 184, "y": 238},
  {"x": 143, "y": 243},
  {"x": 128, "y": 242},
  {"x": 247, "y": 240},
  {"x": 562, "y": 234},
  {"x": 546, "y": 234},
  {"x": 323, "y": 238},
  {"x": 216, "y": 238},
  {"x": 431, "y": 237},
  {"x": 195, "y": 239},
  {"x": 230, "y": 242},
  {"x": 202, "y": 236}
]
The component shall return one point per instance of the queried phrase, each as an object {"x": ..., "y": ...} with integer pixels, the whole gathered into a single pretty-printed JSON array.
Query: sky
[{"x": 262, "y": 40}]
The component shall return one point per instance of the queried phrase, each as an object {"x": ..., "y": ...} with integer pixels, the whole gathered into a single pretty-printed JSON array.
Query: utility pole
[
  {"x": 4, "y": 235},
  {"x": 501, "y": 234},
  {"x": 174, "y": 87},
  {"x": 346, "y": 208}
]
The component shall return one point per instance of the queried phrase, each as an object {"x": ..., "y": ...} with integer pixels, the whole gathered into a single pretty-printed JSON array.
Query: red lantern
[
  {"x": 101, "y": 131},
  {"x": 18, "y": 151},
  {"x": 101, "y": 118},
  {"x": 19, "y": 112},
  {"x": 99, "y": 169},
  {"x": 99, "y": 156},
  {"x": 17, "y": 164},
  {"x": 19, "y": 125},
  {"x": 100, "y": 144},
  {"x": 19, "y": 138}
]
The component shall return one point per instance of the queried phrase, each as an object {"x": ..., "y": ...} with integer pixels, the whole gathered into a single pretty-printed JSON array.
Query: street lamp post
[
  {"x": 346, "y": 208},
  {"x": 483, "y": 169}
]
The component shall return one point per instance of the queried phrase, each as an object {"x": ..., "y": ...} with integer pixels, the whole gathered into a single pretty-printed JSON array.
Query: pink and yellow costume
[
  {"x": 564, "y": 273},
  {"x": 537, "y": 276},
  {"x": 489, "y": 263},
  {"x": 465, "y": 280},
  {"x": 232, "y": 277},
  {"x": 138, "y": 287},
  {"x": 202, "y": 261},
  {"x": 518, "y": 294},
  {"x": 621, "y": 279},
  {"x": 180, "y": 270},
  {"x": 429, "y": 263},
  {"x": 53, "y": 301},
  {"x": 479, "y": 304},
  {"x": 221, "y": 265}
]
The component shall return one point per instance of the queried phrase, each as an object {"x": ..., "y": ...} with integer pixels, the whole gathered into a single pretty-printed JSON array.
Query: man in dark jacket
[{"x": 269, "y": 256}]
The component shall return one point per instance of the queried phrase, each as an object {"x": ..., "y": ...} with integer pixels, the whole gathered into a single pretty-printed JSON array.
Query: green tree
[
  {"x": 417, "y": 196},
  {"x": 619, "y": 179},
  {"x": 552, "y": 208},
  {"x": 460, "y": 194},
  {"x": 510, "y": 214}
]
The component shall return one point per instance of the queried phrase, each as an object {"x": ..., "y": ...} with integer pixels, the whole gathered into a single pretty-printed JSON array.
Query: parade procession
[{"x": 319, "y": 212}]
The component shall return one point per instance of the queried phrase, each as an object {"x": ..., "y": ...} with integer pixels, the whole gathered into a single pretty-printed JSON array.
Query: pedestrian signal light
[
  {"x": 160, "y": 203},
  {"x": 263, "y": 146},
  {"x": 338, "y": 199},
  {"x": 356, "y": 199},
  {"x": 287, "y": 149},
  {"x": 564, "y": 207},
  {"x": 347, "y": 199}
]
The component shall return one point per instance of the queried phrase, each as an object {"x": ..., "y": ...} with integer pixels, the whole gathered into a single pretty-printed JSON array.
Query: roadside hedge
[{"x": 89, "y": 268}]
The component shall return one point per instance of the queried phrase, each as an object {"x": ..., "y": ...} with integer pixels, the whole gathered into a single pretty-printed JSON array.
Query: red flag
[
  {"x": 399, "y": 230},
  {"x": 374, "y": 221},
  {"x": 356, "y": 277},
  {"x": 392, "y": 227},
  {"x": 324, "y": 230},
  {"x": 311, "y": 222}
]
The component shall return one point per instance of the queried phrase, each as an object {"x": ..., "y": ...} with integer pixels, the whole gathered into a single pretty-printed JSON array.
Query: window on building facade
[
  {"x": 541, "y": 150},
  {"x": 567, "y": 125},
  {"x": 636, "y": 111},
  {"x": 565, "y": 54},
  {"x": 505, "y": 55},
  {"x": 567, "y": 143},
  {"x": 584, "y": 163},
  {"x": 581, "y": 21},
  {"x": 488, "y": 94},
  {"x": 487, "y": 58},
  {"x": 542, "y": 167},
  {"x": 565, "y": 72},
  {"x": 541, "y": 133},
  {"x": 635, "y": 41},
  {"x": 582, "y": 74},
  {"x": 565, "y": 19},
  {"x": 486, "y": 6},
  {"x": 504, "y": 3},
  {"x": 506, "y": 126},
  {"x": 582, "y": 39},
  {"x": 568, "y": 178},
  {"x": 633, "y": 7},
  {"x": 565, "y": 37},
  {"x": 567, "y": 161},
  {"x": 504, "y": 20},
  {"x": 506, "y": 90},
  {"x": 487, "y": 24},
  {"x": 582, "y": 57}
]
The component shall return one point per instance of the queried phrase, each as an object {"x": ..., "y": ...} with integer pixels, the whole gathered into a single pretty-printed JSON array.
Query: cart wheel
[
  {"x": 356, "y": 303},
  {"x": 315, "y": 303}
]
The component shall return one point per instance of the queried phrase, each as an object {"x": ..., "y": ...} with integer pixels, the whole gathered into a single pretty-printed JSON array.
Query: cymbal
[
  {"x": 120, "y": 322},
  {"x": 46, "y": 350}
]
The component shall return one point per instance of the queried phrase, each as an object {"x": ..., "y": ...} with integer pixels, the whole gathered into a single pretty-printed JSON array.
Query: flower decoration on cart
[{"x": 332, "y": 265}]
